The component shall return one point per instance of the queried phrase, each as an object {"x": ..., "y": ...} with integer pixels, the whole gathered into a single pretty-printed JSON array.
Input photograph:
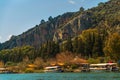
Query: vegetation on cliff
[{"x": 88, "y": 33}]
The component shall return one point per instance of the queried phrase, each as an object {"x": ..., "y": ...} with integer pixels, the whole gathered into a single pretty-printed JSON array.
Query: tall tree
[
  {"x": 68, "y": 45},
  {"x": 97, "y": 48},
  {"x": 50, "y": 18},
  {"x": 42, "y": 21},
  {"x": 81, "y": 9},
  {"x": 112, "y": 47}
]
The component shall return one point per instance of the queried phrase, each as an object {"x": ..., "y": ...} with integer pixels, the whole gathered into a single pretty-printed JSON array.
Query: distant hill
[{"x": 70, "y": 24}]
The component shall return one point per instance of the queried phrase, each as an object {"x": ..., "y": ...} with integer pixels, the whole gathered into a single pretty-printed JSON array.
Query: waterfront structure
[
  {"x": 104, "y": 67},
  {"x": 53, "y": 69}
]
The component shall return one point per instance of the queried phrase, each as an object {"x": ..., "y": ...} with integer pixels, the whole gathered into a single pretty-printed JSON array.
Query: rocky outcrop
[{"x": 67, "y": 25}]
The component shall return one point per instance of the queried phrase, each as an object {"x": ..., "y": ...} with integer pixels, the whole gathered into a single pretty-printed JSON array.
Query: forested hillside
[{"x": 88, "y": 33}]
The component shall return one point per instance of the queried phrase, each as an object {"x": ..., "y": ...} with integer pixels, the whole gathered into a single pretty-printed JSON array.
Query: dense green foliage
[
  {"x": 17, "y": 54},
  {"x": 112, "y": 47},
  {"x": 89, "y": 33},
  {"x": 90, "y": 44}
]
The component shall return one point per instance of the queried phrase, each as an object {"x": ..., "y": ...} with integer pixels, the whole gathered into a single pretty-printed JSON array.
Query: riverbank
[{"x": 75, "y": 68}]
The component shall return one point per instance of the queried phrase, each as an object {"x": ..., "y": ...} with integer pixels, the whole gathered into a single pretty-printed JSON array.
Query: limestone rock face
[{"x": 70, "y": 24}]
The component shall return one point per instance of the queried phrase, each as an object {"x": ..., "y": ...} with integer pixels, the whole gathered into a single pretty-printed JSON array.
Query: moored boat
[
  {"x": 101, "y": 67},
  {"x": 53, "y": 69}
]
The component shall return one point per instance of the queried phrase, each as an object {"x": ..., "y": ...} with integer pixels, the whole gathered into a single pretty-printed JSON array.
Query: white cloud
[
  {"x": 72, "y": 2},
  {"x": 9, "y": 37}
]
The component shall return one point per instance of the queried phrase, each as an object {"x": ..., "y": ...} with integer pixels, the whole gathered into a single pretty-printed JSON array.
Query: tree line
[{"x": 92, "y": 43}]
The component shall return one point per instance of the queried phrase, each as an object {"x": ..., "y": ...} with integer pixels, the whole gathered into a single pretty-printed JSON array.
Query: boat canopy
[
  {"x": 52, "y": 67},
  {"x": 103, "y": 64}
]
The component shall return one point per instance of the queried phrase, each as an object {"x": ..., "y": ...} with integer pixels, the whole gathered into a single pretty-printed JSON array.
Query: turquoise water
[{"x": 61, "y": 76}]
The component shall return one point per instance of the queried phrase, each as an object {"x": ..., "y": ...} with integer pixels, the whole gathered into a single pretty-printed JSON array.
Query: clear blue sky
[{"x": 17, "y": 16}]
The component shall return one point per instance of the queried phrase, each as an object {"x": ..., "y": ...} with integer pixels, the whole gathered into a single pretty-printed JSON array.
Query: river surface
[{"x": 61, "y": 76}]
